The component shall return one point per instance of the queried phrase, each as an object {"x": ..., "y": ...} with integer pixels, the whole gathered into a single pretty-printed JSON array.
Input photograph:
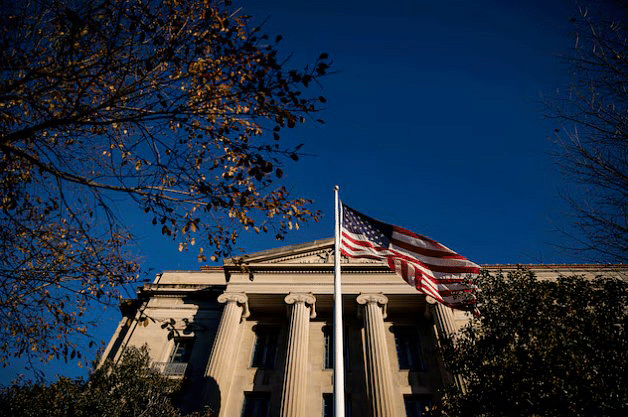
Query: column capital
[
  {"x": 305, "y": 298},
  {"x": 236, "y": 297},
  {"x": 366, "y": 298},
  {"x": 374, "y": 298}
]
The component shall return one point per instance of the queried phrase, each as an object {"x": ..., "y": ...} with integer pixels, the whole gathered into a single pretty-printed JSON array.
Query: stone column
[
  {"x": 293, "y": 398},
  {"x": 379, "y": 380},
  {"x": 445, "y": 328},
  {"x": 222, "y": 359}
]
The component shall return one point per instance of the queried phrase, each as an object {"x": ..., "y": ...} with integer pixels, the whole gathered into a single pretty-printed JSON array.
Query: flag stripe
[
  {"x": 362, "y": 250},
  {"x": 434, "y": 264},
  {"x": 423, "y": 263},
  {"x": 411, "y": 242}
]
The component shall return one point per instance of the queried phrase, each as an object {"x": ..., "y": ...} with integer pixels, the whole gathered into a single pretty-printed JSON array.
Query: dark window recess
[
  {"x": 328, "y": 360},
  {"x": 265, "y": 347},
  {"x": 328, "y": 331},
  {"x": 181, "y": 351},
  {"x": 177, "y": 363},
  {"x": 416, "y": 405},
  {"x": 256, "y": 404},
  {"x": 408, "y": 348},
  {"x": 328, "y": 405}
]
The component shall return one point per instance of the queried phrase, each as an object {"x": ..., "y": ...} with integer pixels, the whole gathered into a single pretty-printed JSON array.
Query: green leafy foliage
[
  {"x": 542, "y": 348},
  {"x": 172, "y": 107},
  {"x": 127, "y": 389}
]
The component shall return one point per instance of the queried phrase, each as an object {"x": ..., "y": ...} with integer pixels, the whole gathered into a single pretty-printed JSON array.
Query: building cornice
[
  {"x": 198, "y": 290},
  {"x": 556, "y": 267}
]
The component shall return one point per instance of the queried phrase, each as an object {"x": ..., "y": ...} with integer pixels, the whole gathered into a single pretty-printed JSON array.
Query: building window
[
  {"x": 181, "y": 350},
  {"x": 256, "y": 404},
  {"x": 328, "y": 360},
  {"x": 416, "y": 405},
  {"x": 408, "y": 348},
  {"x": 328, "y": 405},
  {"x": 178, "y": 359},
  {"x": 265, "y": 346}
]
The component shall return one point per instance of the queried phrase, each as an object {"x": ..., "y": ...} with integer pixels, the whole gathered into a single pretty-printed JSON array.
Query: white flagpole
[{"x": 339, "y": 378}]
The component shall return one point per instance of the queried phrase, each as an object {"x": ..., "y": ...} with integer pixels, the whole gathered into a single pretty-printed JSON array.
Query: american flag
[{"x": 430, "y": 267}]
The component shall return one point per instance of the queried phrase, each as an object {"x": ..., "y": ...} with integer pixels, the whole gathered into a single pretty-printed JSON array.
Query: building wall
[{"x": 187, "y": 305}]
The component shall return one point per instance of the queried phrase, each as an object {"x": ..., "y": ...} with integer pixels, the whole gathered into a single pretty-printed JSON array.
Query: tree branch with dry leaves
[{"x": 177, "y": 105}]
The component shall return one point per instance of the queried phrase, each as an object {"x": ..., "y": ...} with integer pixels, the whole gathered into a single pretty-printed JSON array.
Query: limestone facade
[{"x": 252, "y": 337}]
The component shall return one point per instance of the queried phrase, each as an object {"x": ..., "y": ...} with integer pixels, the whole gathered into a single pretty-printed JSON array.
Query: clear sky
[{"x": 434, "y": 122}]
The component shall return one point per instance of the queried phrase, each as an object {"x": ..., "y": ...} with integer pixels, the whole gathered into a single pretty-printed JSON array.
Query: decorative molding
[
  {"x": 313, "y": 268},
  {"x": 430, "y": 300},
  {"x": 322, "y": 256},
  {"x": 374, "y": 298},
  {"x": 236, "y": 297},
  {"x": 306, "y": 298},
  {"x": 316, "y": 256}
]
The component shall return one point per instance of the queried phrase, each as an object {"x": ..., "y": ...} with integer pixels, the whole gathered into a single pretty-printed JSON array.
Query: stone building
[{"x": 254, "y": 337}]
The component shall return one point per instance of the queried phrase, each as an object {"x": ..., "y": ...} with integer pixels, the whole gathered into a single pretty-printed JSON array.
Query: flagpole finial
[{"x": 336, "y": 188}]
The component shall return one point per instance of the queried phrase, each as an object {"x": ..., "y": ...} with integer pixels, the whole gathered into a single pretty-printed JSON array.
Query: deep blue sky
[{"x": 434, "y": 122}]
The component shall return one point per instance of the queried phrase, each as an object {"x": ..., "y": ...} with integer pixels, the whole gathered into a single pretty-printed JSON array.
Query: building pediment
[{"x": 318, "y": 254}]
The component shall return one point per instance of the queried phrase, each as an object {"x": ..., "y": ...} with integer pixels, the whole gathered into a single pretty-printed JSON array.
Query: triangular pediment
[{"x": 316, "y": 252}]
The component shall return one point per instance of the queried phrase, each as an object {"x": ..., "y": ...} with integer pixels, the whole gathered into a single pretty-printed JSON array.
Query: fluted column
[
  {"x": 379, "y": 380},
  {"x": 293, "y": 398},
  {"x": 443, "y": 318},
  {"x": 445, "y": 327},
  {"x": 222, "y": 359}
]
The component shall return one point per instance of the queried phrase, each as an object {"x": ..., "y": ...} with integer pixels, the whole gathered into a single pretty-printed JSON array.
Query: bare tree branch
[{"x": 593, "y": 139}]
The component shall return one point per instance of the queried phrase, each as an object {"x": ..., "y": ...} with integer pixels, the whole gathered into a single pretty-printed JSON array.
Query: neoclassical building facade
[{"x": 254, "y": 336}]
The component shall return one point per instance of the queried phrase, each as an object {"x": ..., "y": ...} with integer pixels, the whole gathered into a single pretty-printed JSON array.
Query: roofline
[
  {"x": 555, "y": 266},
  {"x": 218, "y": 268},
  {"x": 212, "y": 268},
  {"x": 279, "y": 252}
]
